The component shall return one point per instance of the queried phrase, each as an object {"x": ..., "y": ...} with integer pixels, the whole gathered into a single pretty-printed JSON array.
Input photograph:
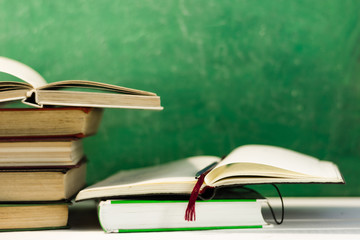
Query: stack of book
[{"x": 42, "y": 164}]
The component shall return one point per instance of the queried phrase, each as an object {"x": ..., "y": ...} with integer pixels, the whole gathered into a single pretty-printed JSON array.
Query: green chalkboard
[{"x": 229, "y": 73}]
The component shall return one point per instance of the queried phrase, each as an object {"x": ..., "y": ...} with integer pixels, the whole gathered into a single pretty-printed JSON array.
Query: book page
[
  {"x": 180, "y": 169},
  {"x": 12, "y": 95},
  {"x": 95, "y": 85},
  {"x": 161, "y": 178},
  {"x": 279, "y": 158},
  {"x": 22, "y": 72},
  {"x": 97, "y": 99},
  {"x": 11, "y": 86}
]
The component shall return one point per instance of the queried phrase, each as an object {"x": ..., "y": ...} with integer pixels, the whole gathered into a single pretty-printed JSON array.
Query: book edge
[{"x": 184, "y": 229}]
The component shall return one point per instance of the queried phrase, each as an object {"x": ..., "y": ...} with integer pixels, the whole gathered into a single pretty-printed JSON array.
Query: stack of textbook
[{"x": 42, "y": 164}]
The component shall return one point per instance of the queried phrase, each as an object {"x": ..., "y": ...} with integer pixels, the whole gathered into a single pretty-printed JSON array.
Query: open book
[
  {"x": 249, "y": 164},
  {"x": 36, "y": 91}
]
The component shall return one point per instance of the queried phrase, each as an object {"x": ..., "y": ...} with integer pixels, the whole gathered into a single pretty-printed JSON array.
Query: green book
[{"x": 168, "y": 215}]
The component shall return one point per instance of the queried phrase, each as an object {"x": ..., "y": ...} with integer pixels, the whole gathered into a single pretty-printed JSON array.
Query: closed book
[
  {"x": 24, "y": 123},
  {"x": 168, "y": 215},
  {"x": 40, "y": 152},
  {"x": 41, "y": 183},
  {"x": 33, "y": 216}
]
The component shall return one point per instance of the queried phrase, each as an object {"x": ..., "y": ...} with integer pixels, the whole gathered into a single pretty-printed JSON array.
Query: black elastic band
[{"x": 282, "y": 207}]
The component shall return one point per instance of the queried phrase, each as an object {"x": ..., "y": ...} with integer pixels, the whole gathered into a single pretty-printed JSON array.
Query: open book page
[
  {"x": 11, "y": 91},
  {"x": 13, "y": 95},
  {"x": 270, "y": 161},
  {"x": 7, "y": 86},
  {"x": 22, "y": 72},
  {"x": 95, "y": 85},
  {"x": 173, "y": 177}
]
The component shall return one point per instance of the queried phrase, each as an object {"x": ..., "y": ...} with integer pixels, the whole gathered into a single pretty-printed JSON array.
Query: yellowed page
[
  {"x": 95, "y": 85},
  {"x": 271, "y": 161},
  {"x": 174, "y": 177}
]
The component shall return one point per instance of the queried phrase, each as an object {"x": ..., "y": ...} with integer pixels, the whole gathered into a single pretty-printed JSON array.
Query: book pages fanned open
[{"x": 249, "y": 164}]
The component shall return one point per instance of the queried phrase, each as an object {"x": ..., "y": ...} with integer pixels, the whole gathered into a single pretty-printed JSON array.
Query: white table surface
[{"x": 305, "y": 218}]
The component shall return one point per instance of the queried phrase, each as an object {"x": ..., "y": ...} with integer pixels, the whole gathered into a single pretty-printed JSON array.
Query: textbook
[
  {"x": 41, "y": 152},
  {"x": 168, "y": 215},
  {"x": 56, "y": 122},
  {"x": 55, "y": 183},
  {"x": 248, "y": 164},
  {"x": 37, "y": 92},
  {"x": 33, "y": 216}
]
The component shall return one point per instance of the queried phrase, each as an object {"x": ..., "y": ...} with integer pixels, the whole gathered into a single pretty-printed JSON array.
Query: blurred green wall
[{"x": 229, "y": 73}]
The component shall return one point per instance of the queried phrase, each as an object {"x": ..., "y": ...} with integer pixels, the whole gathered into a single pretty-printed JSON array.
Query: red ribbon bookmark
[{"x": 190, "y": 210}]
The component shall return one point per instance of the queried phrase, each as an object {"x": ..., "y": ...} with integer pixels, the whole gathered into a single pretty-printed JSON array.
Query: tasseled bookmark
[{"x": 190, "y": 210}]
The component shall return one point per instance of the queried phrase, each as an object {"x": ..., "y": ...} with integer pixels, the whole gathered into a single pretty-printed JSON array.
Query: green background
[{"x": 229, "y": 73}]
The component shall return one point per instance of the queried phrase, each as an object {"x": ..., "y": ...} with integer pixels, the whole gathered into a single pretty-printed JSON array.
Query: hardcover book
[
  {"x": 33, "y": 216},
  {"x": 40, "y": 152},
  {"x": 168, "y": 215},
  {"x": 55, "y": 183},
  {"x": 17, "y": 123}
]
